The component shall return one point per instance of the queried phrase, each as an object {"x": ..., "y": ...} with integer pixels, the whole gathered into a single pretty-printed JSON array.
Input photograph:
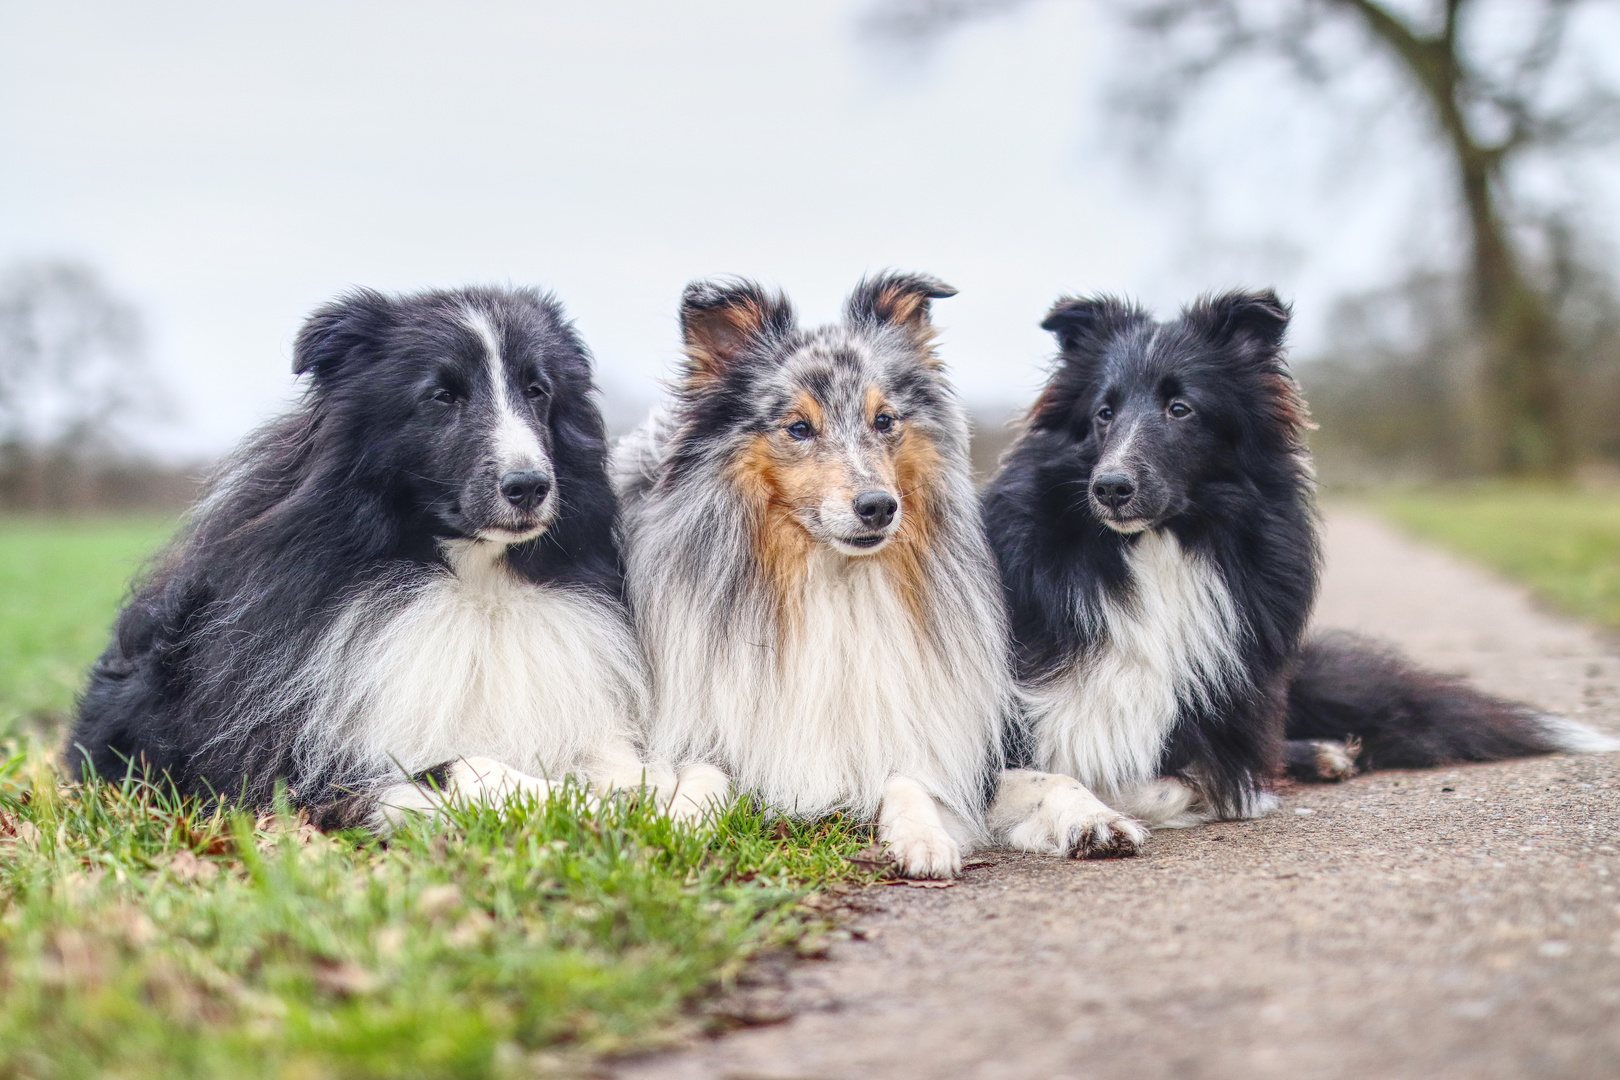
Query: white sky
[{"x": 231, "y": 166}]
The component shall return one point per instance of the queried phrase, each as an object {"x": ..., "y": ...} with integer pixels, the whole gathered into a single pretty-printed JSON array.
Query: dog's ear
[
  {"x": 722, "y": 322},
  {"x": 1255, "y": 324},
  {"x": 1084, "y": 324},
  {"x": 338, "y": 330},
  {"x": 1243, "y": 318},
  {"x": 901, "y": 300}
]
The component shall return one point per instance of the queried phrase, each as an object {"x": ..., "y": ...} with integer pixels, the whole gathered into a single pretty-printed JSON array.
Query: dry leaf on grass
[
  {"x": 187, "y": 867},
  {"x": 15, "y": 830}
]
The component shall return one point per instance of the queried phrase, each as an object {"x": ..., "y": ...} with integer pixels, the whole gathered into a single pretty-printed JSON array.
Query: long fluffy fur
[
  {"x": 330, "y": 619},
  {"x": 815, "y": 688},
  {"x": 1349, "y": 687}
]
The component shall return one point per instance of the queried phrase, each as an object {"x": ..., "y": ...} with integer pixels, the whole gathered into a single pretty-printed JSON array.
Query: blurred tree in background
[
  {"x": 73, "y": 376},
  {"x": 1503, "y": 356}
]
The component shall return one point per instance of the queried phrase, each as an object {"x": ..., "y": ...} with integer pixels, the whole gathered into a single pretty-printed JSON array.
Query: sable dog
[
  {"x": 413, "y": 574},
  {"x": 812, "y": 584},
  {"x": 1155, "y": 530}
]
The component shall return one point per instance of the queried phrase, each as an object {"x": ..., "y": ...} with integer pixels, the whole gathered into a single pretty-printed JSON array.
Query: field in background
[
  {"x": 60, "y": 582},
  {"x": 1562, "y": 542}
]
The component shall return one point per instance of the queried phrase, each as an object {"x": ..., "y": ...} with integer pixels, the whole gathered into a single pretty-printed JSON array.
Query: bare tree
[
  {"x": 1488, "y": 108},
  {"x": 72, "y": 362}
]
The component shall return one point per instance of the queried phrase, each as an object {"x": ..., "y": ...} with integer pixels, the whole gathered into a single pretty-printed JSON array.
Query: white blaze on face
[
  {"x": 1119, "y": 455},
  {"x": 515, "y": 445}
]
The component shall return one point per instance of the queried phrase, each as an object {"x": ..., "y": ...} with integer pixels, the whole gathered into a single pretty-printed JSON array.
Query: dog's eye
[
  {"x": 883, "y": 421},
  {"x": 534, "y": 390},
  {"x": 1105, "y": 414},
  {"x": 801, "y": 429},
  {"x": 1180, "y": 409},
  {"x": 445, "y": 397}
]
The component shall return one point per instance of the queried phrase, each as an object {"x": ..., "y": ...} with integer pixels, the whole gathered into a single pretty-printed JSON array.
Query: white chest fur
[
  {"x": 474, "y": 662},
  {"x": 854, "y": 694},
  {"x": 1106, "y": 718}
]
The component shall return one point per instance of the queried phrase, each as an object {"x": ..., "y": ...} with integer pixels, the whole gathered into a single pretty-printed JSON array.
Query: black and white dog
[
  {"x": 1156, "y": 534},
  {"x": 412, "y": 575},
  {"x": 812, "y": 585}
]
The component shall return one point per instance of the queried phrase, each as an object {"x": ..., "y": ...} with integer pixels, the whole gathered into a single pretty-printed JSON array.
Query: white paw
[
  {"x": 922, "y": 850},
  {"x": 485, "y": 780},
  {"x": 701, "y": 791},
  {"x": 633, "y": 779},
  {"x": 1336, "y": 760},
  {"x": 1070, "y": 821},
  {"x": 912, "y": 826}
]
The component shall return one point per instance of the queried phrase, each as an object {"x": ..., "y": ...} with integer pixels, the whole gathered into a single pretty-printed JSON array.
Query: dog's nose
[
  {"x": 875, "y": 508},
  {"x": 1113, "y": 490},
  {"x": 525, "y": 490}
]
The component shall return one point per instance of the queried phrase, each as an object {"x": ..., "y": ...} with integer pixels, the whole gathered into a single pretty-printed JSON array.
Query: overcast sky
[{"x": 230, "y": 166}]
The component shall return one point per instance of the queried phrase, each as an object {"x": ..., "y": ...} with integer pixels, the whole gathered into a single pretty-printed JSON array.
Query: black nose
[
  {"x": 875, "y": 508},
  {"x": 525, "y": 490},
  {"x": 1113, "y": 489}
]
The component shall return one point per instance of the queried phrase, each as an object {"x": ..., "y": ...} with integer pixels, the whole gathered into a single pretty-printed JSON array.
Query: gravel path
[{"x": 1401, "y": 926}]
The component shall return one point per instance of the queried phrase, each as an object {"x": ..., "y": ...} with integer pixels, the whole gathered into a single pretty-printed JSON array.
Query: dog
[
  {"x": 406, "y": 591},
  {"x": 812, "y": 586},
  {"x": 1155, "y": 530}
]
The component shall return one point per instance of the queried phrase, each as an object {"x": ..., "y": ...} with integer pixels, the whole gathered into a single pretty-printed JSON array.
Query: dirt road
[{"x": 1401, "y": 926}]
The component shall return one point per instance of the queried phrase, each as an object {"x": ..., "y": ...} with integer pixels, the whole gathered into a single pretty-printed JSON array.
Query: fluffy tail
[{"x": 1351, "y": 689}]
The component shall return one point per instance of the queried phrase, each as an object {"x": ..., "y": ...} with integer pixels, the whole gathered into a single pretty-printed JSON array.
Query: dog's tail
[{"x": 1350, "y": 691}]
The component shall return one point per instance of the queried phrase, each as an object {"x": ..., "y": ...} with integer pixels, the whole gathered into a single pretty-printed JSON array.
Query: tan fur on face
[{"x": 782, "y": 478}]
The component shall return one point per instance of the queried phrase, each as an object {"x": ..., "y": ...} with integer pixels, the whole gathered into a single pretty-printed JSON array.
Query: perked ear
[
  {"x": 722, "y": 321},
  {"x": 898, "y": 300},
  {"x": 1255, "y": 318},
  {"x": 1086, "y": 323},
  {"x": 338, "y": 330}
]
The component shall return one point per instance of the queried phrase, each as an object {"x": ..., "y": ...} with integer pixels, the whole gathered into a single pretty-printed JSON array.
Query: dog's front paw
[
  {"x": 1071, "y": 822},
  {"x": 923, "y": 850},
  {"x": 700, "y": 792}
]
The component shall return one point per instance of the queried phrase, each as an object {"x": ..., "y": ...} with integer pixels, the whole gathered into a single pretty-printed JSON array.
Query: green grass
[
  {"x": 1562, "y": 542},
  {"x": 145, "y": 937},
  {"x": 60, "y": 582}
]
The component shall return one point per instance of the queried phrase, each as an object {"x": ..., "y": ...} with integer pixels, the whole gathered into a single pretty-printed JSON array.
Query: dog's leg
[
  {"x": 700, "y": 790},
  {"x": 466, "y": 780},
  {"x": 1049, "y": 814},
  {"x": 912, "y": 826},
  {"x": 1320, "y": 760}
]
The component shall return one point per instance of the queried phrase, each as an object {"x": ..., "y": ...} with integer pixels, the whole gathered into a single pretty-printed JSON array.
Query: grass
[
  {"x": 1562, "y": 542},
  {"x": 60, "y": 581},
  {"x": 142, "y": 936}
]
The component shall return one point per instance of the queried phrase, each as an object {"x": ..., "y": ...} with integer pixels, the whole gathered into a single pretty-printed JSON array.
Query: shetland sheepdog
[
  {"x": 406, "y": 590},
  {"x": 812, "y": 586},
  {"x": 1156, "y": 534}
]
